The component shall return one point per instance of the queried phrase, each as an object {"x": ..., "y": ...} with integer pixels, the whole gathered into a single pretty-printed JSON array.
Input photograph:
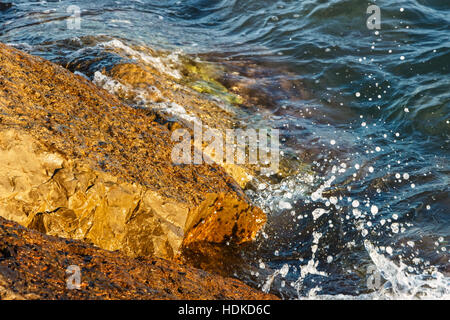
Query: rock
[
  {"x": 38, "y": 271},
  {"x": 137, "y": 81},
  {"x": 231, "y": 220},
  {"x": 78, "y": 163}
]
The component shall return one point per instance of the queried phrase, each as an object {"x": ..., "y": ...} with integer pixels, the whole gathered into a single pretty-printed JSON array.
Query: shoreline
[{"x": 81, "y": 164}]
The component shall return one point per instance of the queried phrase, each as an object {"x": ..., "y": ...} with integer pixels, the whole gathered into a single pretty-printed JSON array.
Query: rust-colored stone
[
  {"x": 33, "y": 266},
  {"x": 223, "y": 218},
  {"x": 79, "y": 163}
]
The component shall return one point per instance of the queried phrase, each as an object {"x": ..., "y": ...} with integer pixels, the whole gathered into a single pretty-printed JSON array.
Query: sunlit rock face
[
  {"x": 78, "y": 163},
  {"x": 45, "y": 191},
  {"x": 223, "y": 218}
]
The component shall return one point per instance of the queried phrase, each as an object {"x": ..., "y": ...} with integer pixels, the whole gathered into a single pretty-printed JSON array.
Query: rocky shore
[{"x": 77, "y": 163}]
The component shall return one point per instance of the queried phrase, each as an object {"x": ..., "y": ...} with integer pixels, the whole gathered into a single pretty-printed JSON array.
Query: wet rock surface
[
  {"x": 72, "y": 115},
  {"x": 33, "y": 266},
  {"x": 78, "y": 163},
  {"x": 141, "y": 85}
]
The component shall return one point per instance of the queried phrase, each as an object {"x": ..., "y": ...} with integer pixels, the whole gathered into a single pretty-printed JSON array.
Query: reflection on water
[{"x": 364, "y": 117}]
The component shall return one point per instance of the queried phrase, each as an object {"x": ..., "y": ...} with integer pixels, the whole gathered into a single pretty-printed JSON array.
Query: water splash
[{"x": 402, "y": 284}]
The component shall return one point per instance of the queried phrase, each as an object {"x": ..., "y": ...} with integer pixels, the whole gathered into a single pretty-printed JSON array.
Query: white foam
[
  {"x": 403, "y": 285},
  {"x": 109, "y": 84},
  {"x": 160, "y": 63}
]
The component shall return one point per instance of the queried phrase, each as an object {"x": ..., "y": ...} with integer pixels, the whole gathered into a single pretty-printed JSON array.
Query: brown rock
[
  {"x": 78, "y": 163},
  {"x": 223, "y": 218},
  {"x": 140, "y": 80},
  {"x": 36, "y": 269}
]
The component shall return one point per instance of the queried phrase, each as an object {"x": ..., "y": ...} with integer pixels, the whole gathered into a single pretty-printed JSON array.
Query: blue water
[{"x": 373, "y": 104}]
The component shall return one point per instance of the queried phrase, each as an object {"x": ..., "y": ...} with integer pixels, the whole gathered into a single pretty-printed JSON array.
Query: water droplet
[{"x": 374, "y": 209}]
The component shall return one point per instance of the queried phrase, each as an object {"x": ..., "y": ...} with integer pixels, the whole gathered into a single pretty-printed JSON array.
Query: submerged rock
[
  {"x": 5, "y": 5},
  {"x": 78, "y": 163}
]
